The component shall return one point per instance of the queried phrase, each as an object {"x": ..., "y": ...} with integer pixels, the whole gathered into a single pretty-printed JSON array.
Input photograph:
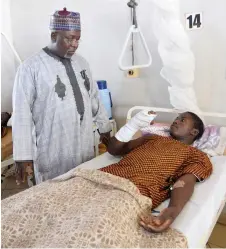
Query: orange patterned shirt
[{"x": 151, "y": 165}]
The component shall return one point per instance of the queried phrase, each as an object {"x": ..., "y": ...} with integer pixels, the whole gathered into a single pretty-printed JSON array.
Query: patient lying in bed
[
  {"x": 161, "y": 167},
  {"x": 92, "y": 209}
]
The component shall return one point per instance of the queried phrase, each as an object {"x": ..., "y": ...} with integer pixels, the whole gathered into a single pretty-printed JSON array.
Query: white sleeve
[
  {"x": 22, "y": 121},
  {"x": 99, "y": 113}
]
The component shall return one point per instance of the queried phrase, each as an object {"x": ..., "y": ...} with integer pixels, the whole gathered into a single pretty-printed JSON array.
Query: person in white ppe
[{"x": 55, "y": 103}]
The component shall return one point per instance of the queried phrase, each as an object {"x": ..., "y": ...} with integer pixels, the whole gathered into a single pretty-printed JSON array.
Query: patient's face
[{"x": 182, "y": 126}]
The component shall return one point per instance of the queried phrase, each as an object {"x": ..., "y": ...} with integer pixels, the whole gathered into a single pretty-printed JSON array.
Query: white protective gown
[{"x": 47, "y": 127}]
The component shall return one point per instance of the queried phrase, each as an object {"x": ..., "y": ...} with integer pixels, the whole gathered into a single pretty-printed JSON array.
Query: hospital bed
[{"x": 201, "y": 213}]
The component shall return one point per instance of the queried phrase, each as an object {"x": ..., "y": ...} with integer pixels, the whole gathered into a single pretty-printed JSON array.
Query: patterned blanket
[{"x": 84, "y": 208}]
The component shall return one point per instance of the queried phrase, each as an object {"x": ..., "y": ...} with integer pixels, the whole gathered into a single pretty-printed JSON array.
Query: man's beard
[{"x": 68, "y": 56}]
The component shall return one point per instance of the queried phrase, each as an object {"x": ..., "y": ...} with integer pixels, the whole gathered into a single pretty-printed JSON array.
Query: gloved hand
[
  {"x": 142, "y": 119},
  {"x": 139, "y": 121}
]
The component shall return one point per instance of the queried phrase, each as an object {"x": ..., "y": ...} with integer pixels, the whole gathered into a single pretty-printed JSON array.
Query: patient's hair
[{"x": 198, "y": 124}]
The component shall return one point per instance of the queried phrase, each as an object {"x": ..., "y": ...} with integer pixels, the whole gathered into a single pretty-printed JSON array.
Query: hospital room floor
[{"x": 217, "y": 238}]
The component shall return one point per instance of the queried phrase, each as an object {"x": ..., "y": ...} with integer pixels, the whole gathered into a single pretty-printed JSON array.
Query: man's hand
[
  {"x": 160, "y": 223},
  {"x": 105, "y": 138},
  {"x": 24, "y": 169}
]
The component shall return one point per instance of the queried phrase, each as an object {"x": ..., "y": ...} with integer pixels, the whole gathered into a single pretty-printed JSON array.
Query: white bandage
[
  {"x": 139, "y": 121},
  {"x": 179, "y": 184}
]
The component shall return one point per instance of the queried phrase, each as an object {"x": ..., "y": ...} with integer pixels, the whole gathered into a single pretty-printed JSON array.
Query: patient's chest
[
  {"x": 154, "y": 166},
  {"x": 153, "y": 162},
  {"x": 162, "y": 156}
]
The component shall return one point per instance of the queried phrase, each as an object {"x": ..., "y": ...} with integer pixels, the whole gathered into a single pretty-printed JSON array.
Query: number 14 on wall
[{"x": 194, "y": 21}]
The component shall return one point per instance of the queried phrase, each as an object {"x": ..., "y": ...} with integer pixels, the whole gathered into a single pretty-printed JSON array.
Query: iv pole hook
[
  {"x": 132, "y": 4},
  {"x": 134, "y": 29}
]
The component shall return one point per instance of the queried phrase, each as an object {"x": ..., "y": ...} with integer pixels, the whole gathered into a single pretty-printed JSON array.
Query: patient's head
[{"x": 187, "y": 127}]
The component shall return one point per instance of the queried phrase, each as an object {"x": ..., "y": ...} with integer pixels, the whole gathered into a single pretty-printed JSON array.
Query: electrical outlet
[{"x": 133, "y": 73}]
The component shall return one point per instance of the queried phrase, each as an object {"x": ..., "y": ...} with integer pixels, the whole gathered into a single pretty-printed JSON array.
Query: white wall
[
  {"x": 104, "y": 27},
  {"x": 8, "y": 65},
  {"x": 6, "y": 18},
  {"x": 209, "y": 46}
]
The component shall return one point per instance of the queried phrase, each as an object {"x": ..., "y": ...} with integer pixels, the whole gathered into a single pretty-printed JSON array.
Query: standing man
[{"x": 55, "y": 103}]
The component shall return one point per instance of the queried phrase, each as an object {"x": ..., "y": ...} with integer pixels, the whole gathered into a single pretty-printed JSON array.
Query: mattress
[{"x": 200, "y": 215}]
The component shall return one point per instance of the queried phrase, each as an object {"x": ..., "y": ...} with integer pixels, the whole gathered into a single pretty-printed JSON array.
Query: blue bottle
[{"x": 105, "y": 96}]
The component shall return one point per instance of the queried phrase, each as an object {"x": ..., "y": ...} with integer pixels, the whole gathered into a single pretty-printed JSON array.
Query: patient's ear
[{"x": 194, "y": 132}]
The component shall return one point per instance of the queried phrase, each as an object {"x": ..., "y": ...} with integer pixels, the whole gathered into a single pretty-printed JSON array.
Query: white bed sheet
[{"x": 199, "y": 216}]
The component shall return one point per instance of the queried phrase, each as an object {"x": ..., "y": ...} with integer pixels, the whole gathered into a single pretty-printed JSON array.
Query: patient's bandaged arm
[{"x": 139, "y": 121}]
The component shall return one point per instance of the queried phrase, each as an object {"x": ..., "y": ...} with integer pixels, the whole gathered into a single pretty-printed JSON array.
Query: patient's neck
[{"x": 185, "y": 140}]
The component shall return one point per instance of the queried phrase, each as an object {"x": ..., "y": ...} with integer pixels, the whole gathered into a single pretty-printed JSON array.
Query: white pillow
[{"x": 212, "y": 142}]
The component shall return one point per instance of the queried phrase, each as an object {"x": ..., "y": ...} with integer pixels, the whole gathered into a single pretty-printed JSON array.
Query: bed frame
[{"x": 174, "y": 111}]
